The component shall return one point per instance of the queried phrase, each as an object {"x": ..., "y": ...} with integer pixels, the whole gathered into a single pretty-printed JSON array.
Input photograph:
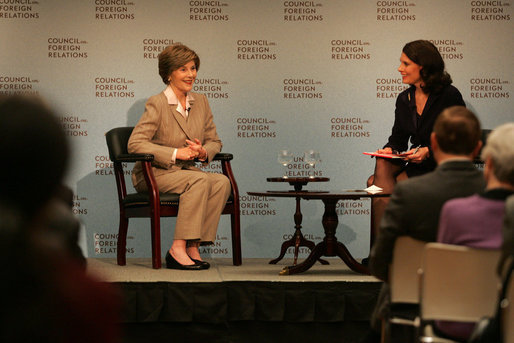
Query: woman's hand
[
  {"x": 386, "y": 150},
  {"x": 198, "y": 148},
  {"x": 186, "y": 154},
  {"x": 418, "y": 155}
]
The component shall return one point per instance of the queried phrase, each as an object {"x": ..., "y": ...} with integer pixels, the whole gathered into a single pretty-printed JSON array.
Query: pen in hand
[{"x": 415, "y": 151}]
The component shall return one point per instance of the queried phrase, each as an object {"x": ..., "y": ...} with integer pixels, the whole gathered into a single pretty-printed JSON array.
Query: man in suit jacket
[
  {"x": 476, "y": 221},
  {"x": 415, "y": 203}
]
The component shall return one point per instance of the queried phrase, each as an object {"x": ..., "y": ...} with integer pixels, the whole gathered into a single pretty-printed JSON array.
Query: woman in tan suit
[{"x": 177, "y": 128}]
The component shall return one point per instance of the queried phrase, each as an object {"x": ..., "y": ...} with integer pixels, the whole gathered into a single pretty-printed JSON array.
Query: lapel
[
  {"x": 412, "y": 105},
  {"x": 431, "y": 99},
  {"x": 182, "y": 122}
]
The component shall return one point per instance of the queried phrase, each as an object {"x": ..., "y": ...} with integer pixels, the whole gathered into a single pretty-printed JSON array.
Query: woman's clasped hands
[
  {"x": 193, "y": 150},
  {"x": 186, "y": 154}
]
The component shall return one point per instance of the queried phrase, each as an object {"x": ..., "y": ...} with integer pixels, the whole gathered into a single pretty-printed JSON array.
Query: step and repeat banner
[{"x": 278, "y": 74}]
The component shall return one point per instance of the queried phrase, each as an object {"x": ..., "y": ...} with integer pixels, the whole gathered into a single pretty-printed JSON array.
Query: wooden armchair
[{"x": 155, "y": 205}]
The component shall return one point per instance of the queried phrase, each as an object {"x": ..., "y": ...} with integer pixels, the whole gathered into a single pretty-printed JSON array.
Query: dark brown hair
[
  {"x": 426, "y": 55},
  {"x": 173, "y": 57},
  {"x": 457, "y": 131}
]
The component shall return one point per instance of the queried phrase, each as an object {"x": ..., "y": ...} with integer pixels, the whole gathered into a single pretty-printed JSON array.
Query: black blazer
[{"x": 409, "y": 125}]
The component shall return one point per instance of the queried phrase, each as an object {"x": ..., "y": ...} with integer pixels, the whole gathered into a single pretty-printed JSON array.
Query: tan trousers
[{"x": 203, "y": 196}]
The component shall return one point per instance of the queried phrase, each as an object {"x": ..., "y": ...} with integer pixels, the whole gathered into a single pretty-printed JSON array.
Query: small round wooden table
[
  {"x": 297, "y": 240},
  {"x": 330, "y": 246}
]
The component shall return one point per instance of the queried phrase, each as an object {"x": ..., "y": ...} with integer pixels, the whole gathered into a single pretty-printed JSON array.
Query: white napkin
[{"x": 373, "y": 189}]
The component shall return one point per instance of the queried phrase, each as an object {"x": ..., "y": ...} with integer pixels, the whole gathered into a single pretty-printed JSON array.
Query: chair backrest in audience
[
  {"x": 458, "y": 283},
  {"x": 403, "y": 272}
]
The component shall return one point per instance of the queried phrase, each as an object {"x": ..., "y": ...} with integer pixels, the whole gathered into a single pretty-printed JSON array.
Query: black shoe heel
[{"x": 171, "y": 263}]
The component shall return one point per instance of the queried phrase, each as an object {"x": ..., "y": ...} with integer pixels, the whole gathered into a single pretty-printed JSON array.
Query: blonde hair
[{"x": 500, "y": 148}]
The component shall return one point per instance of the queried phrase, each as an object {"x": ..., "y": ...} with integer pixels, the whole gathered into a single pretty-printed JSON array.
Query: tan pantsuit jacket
[{"x": 162, "y": 129}]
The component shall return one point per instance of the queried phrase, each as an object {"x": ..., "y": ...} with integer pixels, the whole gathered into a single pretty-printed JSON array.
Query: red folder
[{"x": 385, "y": 155}]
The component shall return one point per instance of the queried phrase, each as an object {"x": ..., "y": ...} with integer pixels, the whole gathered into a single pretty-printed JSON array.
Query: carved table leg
[
  {"x": 329, "y": 247},
  {"x": 297, "y": 240},
  {"x": 344, "y": 254},
  {"x": 311, "y": 259}
]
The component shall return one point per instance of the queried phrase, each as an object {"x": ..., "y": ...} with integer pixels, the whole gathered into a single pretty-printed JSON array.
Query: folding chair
[{"x": 458, "y": 284}]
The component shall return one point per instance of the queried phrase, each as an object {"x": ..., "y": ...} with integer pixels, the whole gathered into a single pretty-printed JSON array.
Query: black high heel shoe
[
  {"x": 171, "y": 263},
  {"x": 203, "y": 263}
]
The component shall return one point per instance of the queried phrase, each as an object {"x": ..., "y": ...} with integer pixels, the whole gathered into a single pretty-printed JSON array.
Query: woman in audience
[
  {"x": 430, "y": 92},
  {"x": 477, "y": 221}
]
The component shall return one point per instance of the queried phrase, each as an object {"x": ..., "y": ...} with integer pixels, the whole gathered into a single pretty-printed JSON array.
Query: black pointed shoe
[
  {"x": 206, "y": 265},
  {"x": 171, "y": 263}
]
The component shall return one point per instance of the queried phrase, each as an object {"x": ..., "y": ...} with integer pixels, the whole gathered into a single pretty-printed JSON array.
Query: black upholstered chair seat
[
  {"x": 166, "y": 199},
  {"x": 143, "y": 199}
]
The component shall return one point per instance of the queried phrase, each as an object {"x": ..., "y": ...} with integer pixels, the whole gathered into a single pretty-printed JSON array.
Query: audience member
[
  {"x": 508, "y": 235},
  {"x": 63, "y": 224},
  {"x": 415, "y": 203},
  {"x": 39, "y": 159},
  {"x": 476, "y": 221},
  {"x": 45, "y": 295}
]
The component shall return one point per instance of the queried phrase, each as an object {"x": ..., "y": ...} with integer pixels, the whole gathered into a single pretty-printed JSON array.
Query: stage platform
[{"x": 247, "y": 303}]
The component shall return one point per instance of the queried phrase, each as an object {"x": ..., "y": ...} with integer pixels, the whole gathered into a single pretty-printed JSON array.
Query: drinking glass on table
[
  {"x": 284, "y": 158},
  {"x": 311, "y": 157}
]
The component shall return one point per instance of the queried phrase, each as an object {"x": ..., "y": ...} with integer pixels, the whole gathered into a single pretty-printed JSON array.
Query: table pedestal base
[
  {"x": 329, "y": 246},
  {"x": 296, "y": 241}
]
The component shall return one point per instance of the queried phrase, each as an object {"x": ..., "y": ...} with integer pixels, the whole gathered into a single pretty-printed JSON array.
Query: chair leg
[
  {"x": 383, "y": 332},
  {"x": 156, "y": 240},
  {"x": 122, "y": 241},
  {"x": 236, "y": 239}
]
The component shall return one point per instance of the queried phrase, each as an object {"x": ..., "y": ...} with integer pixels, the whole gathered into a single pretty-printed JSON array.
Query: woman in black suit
[{"x": 417, "y": 108}]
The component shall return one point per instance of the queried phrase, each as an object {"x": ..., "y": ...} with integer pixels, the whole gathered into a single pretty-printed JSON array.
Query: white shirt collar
[{"x": 172, "y": 100}]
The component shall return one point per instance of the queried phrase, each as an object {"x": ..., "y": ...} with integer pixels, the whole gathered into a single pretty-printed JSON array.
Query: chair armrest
[
  {"x": 151, "y": 185},
  {"x": 223, "y": 156},
  {"x": 134, "y": 157},
  {"x": 225, "y": 159}
]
